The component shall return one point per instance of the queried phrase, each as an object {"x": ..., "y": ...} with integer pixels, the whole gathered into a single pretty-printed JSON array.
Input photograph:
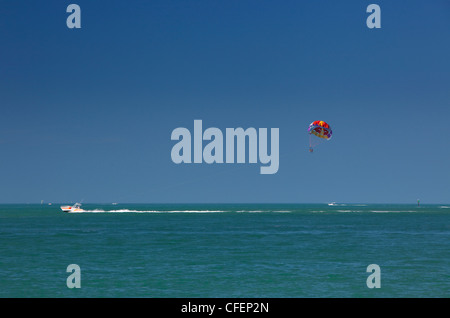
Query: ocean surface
[{"x": 225, "y": 250}]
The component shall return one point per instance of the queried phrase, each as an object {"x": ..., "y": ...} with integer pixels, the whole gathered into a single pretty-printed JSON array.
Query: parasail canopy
[{"x": 320, "y": 129}]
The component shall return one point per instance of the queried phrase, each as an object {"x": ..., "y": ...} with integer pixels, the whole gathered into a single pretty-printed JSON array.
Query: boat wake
[
  {"x": 364, "y": 211},
  {"x": 150, "y": 211},
  {"x": 180, "y": 211}
]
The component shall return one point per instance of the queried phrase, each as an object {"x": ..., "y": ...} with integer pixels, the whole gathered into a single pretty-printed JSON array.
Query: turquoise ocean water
[{"x": 225, "y": 250}]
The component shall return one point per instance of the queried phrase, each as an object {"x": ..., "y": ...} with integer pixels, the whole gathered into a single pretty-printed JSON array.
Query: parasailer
[{"x": 318, "y": 131}]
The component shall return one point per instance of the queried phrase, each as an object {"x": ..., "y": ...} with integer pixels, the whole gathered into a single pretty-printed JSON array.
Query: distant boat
[
  {"x": 332, "y": 204},
  {"x": 72, "y": 208}
]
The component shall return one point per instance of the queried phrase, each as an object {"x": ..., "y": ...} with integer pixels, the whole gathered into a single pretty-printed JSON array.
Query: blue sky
[{"x": 88, "y": 113}]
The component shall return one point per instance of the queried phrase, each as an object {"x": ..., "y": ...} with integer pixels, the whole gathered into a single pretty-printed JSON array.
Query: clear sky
[{"x": 88, "y": 113}]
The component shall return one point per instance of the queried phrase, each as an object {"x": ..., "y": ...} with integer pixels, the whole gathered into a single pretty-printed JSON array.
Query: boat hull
[{"x": 68, "y": 208}]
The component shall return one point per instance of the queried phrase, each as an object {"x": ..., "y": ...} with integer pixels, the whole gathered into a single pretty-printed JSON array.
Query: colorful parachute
[{"x": 318, "y": 131}]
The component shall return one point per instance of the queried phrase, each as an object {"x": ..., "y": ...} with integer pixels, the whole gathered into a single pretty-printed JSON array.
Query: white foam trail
[
  {"x": 178, "y": 211},
  {"x": 445, "y": 207},
  {"x": 381, "y": 211},
  {"x": 264, "y": 211},
  {"x": 374, "y": 211},
  {"x": 150, "y": 211}
]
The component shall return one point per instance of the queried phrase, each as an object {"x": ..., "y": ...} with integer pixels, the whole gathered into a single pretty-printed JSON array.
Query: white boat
[
  {"x": 72, "y": 208},
  {"x": 332, "y": 204}
]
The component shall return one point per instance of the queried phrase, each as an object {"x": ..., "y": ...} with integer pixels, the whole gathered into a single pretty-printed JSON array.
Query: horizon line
[{"x": 115, "y": 203}]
